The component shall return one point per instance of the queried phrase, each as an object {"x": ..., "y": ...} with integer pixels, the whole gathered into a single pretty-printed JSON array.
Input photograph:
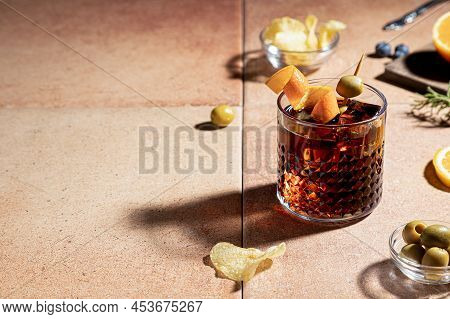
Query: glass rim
[
  {"x": 320, "y": 125},
  {"x": 330, "y": 47}
]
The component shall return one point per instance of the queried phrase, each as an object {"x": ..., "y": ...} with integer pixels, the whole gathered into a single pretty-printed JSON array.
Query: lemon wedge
[{"x": 441, "y": 164}]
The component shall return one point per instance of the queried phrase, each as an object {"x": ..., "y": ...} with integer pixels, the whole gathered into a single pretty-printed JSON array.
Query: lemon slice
[{"x": 441, "y": 164}]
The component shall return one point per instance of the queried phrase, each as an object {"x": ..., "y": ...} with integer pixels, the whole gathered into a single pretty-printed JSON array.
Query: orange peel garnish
[
  {"x": 315, "y": 93},
  {"x": 326, "y": 108},
  {"x": 293, "y": 83}
]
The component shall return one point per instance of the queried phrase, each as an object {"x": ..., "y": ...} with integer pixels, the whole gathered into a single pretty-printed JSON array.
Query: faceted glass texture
[{"x": 332, "y": 173}]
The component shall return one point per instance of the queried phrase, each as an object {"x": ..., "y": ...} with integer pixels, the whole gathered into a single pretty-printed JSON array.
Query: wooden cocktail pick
[
  {"x": 351, "y": 85},
  {"x": 358, "y": 67}
]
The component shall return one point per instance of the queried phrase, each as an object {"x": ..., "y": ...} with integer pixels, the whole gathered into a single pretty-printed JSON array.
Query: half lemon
[{"x": 441, "y": 164}]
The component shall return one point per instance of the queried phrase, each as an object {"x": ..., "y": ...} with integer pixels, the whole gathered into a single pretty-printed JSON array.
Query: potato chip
[
  {"x": 335, "y": 25},
  {"x": 311, "y": 23},
  {"x": 303, "y": 59},
  {"x": 282, "y": 25},
  {"x": 290, "y": 41},
  {"x": 328, "y": 31},
  {"x": 324, "y": 37},
  {"x": 241, "y": 264},
  {"x": 272, "y": 30},
  {"x": 291, "y": 24},
  {"x": 292, "y": 35}
]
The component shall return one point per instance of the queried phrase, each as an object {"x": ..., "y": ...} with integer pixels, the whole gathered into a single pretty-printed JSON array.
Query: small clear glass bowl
[
  {"x": 423, "y": 274},
  {"x": 306, "y": 61}
]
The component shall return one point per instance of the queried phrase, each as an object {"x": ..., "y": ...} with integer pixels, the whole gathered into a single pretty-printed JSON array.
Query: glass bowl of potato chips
[{"x": 289, "y": 41}]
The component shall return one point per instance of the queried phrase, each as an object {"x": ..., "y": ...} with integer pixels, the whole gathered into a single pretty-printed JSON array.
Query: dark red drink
[{"x": 331, "y": 172}]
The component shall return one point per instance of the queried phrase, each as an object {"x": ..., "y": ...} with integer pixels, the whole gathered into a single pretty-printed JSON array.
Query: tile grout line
[{"x": 243, "y": 127}]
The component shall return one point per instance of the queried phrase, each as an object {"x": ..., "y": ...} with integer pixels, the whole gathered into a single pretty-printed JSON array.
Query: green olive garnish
[
  {"x": 411, "y": 232},
  {"x": 222, "y": 115},
  {"x": 436, "y": 236},
  {"x": 413, "y": 252},
  {"x": 436, "y": 257},
  {"x": 350, "y": 86}
]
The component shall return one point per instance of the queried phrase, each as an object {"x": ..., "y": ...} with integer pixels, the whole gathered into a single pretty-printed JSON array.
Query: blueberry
[
  {"x": 402, "y": 47},
  {"x": 401, "y": 50},
  {"x": 383, "y": 49},
  {"x": 399, "y": 54}
]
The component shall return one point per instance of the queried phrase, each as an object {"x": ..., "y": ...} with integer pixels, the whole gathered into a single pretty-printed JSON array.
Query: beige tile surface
[
  {"x": 351, "y": 262},
  {"x": 78, "y": 219},
  {"x": 169, "y": 52}
]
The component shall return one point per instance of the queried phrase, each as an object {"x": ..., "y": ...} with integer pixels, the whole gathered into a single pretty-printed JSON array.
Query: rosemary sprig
[{"x": 433, "y": 106}]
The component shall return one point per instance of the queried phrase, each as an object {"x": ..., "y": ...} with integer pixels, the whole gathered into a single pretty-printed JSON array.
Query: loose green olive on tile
[
  {"x": 411, "y": 232},
  {"x": 436, "y": 236},
  {"x": 413, "y": 252},
  {"x": 350, "y": 86},
  {"x": 436, "y": 257},
  {"x": 222, "y": 115}
]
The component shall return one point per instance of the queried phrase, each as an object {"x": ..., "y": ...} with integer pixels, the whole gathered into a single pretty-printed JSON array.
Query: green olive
[
  {"x": 350, "y": 86},
  {"x": 436, "y": 236},
  {"x": 436, "y": 257},
  {"x": 413, "y": 252},
  {"x": 222, "y": 115},
  {"x": 411, "y": 232}
]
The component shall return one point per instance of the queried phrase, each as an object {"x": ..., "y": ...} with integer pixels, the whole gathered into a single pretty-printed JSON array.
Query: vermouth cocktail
[{"x": 332, "y": 171}]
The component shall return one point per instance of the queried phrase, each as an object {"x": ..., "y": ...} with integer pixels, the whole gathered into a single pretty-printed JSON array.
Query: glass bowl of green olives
[{"x": 421, "y": 250}]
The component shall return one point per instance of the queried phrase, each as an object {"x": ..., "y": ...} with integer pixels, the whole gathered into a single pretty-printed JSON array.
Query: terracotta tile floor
[
  {"x": 172, "y": 53},
  {"x": 78, "y": 218}
]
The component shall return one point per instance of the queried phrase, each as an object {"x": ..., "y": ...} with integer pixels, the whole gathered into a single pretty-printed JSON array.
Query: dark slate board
[{"x": 420, "y": 69}]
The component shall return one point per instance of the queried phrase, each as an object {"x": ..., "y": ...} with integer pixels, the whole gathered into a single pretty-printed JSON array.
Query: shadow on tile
[
  {"x": 207, "y": 126},
  {"x": 266, "y": 221},
  {"x": 430, "y": 175},
  {"x": 207, "y": 221},
  {"x": 257, "y": 68},
  {"x": 426, "y": 118},
  {"x": 382, "y": 279},
  {"x": 201, "y": 222}
]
